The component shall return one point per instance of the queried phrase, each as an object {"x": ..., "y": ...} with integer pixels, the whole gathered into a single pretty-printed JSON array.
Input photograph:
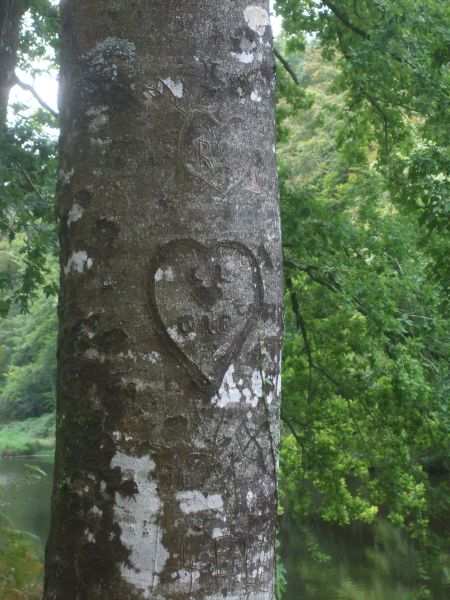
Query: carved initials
[{"x": 204, "y": 302}]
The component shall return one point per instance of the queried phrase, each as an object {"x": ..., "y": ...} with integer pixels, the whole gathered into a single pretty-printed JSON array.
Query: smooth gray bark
[
  {"x": 170, "y": 305},
  {"x": 10, "y": 14}
]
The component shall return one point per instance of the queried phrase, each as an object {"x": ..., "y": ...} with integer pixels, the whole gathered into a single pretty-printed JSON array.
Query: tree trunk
[
  {"x": 170, "y": 304},
  {"x": 10, "y": 14}
]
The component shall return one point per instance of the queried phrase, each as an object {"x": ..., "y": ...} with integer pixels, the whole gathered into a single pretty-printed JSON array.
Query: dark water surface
[
  {"x": 360, "y": 562},
  {"x": 365, "y": 563},
  {"x": 26, "y": 492}
]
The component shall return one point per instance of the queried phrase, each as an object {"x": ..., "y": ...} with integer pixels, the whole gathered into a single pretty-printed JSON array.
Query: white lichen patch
[
  {"x": 255, "y": 97},
  {"x": 250, "y": 500},
  {"x": 193, "y": 501},
  {"x": 278, "y": 383},
  {"x": 138, "y": 517},
  {"x": 98, "y": 117},
  {"x": 93, "y": 354},
  {"x": 65, "y": 176},
  {"x": 257, "y": 383},
  {"x": 176, "y": 87},
  {"x": 232, "y": 392},
  {"x": 244, "y": 57},
  {"x": 229, "y": 393},
  {"x": 257, "y": 18},
  {"x": 165, "y": 274},
  {"x": 218, "y": 533},
  {"x": 193, "y": 532},
  {"x": 89, "y": 536},
  {"x": 185, "y": 580},
  {"x": 96, "y": 511},
  {"x": 79, "y": 262},
  {"x": 173, "y": 332},
  {"x": 99, "y": 143},
  {"x": 75, "y": 213},
  {"x": 121, "y": 436},
  {"x": 151, "y": 357},
  {"x": 104, "y": 56}
]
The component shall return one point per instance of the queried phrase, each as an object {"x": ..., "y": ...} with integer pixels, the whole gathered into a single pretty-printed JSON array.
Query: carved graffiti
[
  {"x": 210, "y": 149},
  {"x": 215, "y": 151},
  {"x": 204, "y": 302}
]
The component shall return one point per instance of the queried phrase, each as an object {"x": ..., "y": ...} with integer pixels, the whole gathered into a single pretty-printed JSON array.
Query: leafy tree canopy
[
  {"x": 365, "y": 391},
  {"x": 28, "y": 169},
  {"x": 392, "y": 59}
]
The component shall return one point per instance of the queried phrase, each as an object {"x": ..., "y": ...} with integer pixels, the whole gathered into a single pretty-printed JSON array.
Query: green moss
[{"x": 21, "y": 438}]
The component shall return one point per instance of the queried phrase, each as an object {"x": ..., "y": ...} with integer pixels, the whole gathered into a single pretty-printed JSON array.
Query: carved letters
[
  {"x": 205, "y": 302},
  {"x": 210, "y": 150},
  {"x": 217, "y": 152}
]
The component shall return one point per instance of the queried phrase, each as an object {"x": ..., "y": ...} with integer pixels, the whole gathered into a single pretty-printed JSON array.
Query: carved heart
[
  {"x": 212, "y": 150},
  {"x": 205, "y": 301}
]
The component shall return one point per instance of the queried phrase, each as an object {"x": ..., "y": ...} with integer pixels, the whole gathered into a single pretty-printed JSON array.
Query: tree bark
[
  {"x": 10, "y": 15},
  {"x": 170, "y": 304}
]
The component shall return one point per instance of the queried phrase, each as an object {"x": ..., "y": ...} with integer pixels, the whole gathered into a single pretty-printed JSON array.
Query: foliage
[
  {"x": 20, "y": 566},
  {"x": 366, "y": 563},
  {"x": 392, "y": 61},
  {"x": 366, "y": 347},
  {"x": 280, "y": 573},
  {"x": 28, "y": 361},
  {"x": 393, "y": 65},
  {"x": 25, "y": 438},
  {"x": 26, "y": 188},
  {"x": 39, "y": 42},
  {"x": 28, "y": 172}
]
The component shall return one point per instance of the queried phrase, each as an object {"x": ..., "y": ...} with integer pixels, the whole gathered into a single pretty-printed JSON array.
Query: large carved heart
[
  {"x": 212, "y": 150},
  {"x": 205, "y": 302}
]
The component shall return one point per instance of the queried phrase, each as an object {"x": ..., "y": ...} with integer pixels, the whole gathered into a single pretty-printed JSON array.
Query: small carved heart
[
  {"x": 212, "y": 150},
  {"x": 205, "y": 301}
]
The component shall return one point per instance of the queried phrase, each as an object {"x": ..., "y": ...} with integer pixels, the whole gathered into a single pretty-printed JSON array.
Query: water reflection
[
  {"x": 25, "y": 498},
  {"x": 364, "y": 563}
]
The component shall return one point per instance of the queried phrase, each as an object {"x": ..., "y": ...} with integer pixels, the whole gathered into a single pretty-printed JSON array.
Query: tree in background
[
  {"x": 10, "y": 14},
  {"x": 392, "y": 58},
  {"x": 27, "y": 155},
  {"x": 365, "y": 400}
]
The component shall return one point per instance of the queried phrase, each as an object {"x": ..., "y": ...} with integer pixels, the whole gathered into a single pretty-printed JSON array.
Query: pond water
[
  {"x": 362, "y": 562},
  {"x": 26, "y": 485},
  {"x": 365, "y": 563}
]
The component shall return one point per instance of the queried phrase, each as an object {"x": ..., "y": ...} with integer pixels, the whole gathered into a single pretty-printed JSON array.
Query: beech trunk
[
  {"x": 170, "y": 304},
  {"x": 10, "y": 14}
]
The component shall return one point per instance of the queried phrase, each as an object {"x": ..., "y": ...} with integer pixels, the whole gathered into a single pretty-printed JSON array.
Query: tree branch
[
  {"x": 384, "y": 118},
  {"x": 332, "y": 286},
  {"x": 345, "y": 20},
  {"x": 291, "y": 428},
  {"x": 33, "y": 187},
  {"x": 286, "y": 65},
  {"x": 30, "y": 88},
  {"x": 309, "y": 269},
  {"x": 312, "y": 365},
  {"x": 361, "y": 32},
  {"x": 301, "y": 325}
]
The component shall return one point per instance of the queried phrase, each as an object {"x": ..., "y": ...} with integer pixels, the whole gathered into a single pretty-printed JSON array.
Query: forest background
[{"x": 363, "y": 158}]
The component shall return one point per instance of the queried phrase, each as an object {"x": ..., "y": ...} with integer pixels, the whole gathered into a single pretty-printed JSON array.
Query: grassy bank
[{"x": 32, "y": 436}]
